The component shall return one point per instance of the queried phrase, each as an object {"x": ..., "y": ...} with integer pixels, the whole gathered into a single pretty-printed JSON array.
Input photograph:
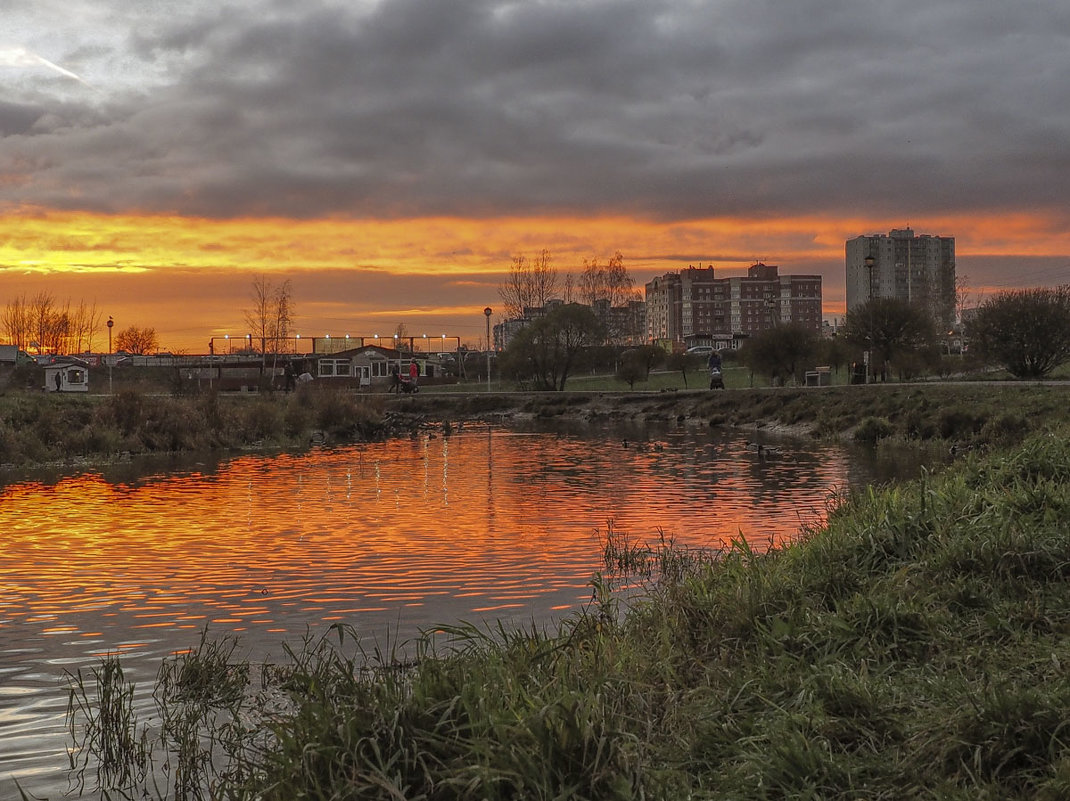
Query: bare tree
[
  {"x": 608, "y": 289},
  {"x": 591, "y": 282},
  {"x": 43, "y": 316},
  {"x": 137, "y": 340},
  {"x": 963, "y": 296},
  {"x": 16, "y": 322},
  {"x": 544, "y": 277},
  {"x": 569, "y": 288},
  {"x": 606, "y": 283},
  {"x": 530, "y": 284},
  {"x": 271, "y": 315},
  {"x": 44, "y": 324},
  {"x": 270, "y": 318},
  {"x": 84, "y": 322},
  {"x": 620, "y": 288}
]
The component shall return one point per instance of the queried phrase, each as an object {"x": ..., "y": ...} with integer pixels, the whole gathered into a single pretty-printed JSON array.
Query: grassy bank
[
  {"x": 968, "y": 414},
  {"x": 915, "y": 647}
]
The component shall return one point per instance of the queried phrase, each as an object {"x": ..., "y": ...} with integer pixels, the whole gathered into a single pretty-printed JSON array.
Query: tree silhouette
[
  {"x": 1027, "y": 330},
  {"x": 546, "y": 351},
  {"x": 888, "y": 327},
  {"x": 531, "y": 283},
  {"x": 781, "y": 352},
  {"x": 137, "y": 340}
]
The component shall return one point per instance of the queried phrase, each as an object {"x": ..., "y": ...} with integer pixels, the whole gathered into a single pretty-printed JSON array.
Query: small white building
[{"x": 67, "y": 375}]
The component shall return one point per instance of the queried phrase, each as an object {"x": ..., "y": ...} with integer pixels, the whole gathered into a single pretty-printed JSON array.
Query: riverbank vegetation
[
  {"x": 45, "y": 428},
  {"x": 969, "y": 415},
  {"x": 36, "y": 428},
  {"x": 913, "y": 647}
]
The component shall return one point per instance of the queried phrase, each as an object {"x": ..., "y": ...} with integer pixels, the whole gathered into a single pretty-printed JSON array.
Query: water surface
[{"x": 389, "y": 538}]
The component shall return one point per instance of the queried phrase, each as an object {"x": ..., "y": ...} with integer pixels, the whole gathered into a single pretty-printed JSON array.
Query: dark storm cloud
[{"x": 671, "y": 109}]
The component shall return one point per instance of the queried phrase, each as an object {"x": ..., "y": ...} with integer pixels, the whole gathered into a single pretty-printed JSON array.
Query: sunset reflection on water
[{"x": 388, "y": 537}]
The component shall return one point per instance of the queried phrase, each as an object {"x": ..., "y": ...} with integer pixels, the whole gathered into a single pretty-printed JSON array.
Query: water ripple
[{"x": 390, "y": 537}]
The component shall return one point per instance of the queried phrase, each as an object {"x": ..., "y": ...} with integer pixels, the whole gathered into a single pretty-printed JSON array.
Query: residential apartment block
[
  {"x": 694, "y": 307},
  {"x": 917, "y": 269}
]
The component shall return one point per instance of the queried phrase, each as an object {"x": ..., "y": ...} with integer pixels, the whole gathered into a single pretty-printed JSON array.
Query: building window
[{"x": 333, "y": 367}]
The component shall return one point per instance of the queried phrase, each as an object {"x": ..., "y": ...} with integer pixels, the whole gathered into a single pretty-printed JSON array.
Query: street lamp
[
  {"x": 870, "y": 263},
  {"x": 111, "y": 322},
  {"x": 488, "y": 312}
]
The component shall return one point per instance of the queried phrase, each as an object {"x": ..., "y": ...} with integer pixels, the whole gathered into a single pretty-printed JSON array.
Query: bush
[
  {"x": 872, "y": 429},
  {"x": 1006, "y": 429},
  {"x": 918, "y": 426},
  {"x": 958, "y": 424},
  {"x": 1026, "y": 330},
  {"x": 262, "y": 420}
]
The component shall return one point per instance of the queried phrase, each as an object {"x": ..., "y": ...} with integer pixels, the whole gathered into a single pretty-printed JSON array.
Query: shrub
[
  {"x": 872, "y": 429},
  {"x": 958, "y": 424},
  {"x": 918, "y": 426},
  {"x": 262, "y": 420},
  {"x": 1006, "y": 429}
]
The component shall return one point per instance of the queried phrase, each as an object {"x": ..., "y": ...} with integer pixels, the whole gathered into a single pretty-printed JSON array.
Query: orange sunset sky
[{"x": 391, "y": 157}]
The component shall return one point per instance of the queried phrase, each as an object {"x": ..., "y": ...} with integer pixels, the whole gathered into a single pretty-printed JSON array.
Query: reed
[{"x": 105, "y": 734}]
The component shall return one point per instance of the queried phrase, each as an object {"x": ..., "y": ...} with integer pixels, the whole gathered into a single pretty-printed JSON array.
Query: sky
[{"x": 391, "y": 157}]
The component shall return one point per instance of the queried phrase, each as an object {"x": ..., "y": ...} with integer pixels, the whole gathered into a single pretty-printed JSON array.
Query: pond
[{"x": 390, "y": 538}]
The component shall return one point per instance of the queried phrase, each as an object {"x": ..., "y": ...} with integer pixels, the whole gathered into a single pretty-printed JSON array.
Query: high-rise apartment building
[
  {"x": 694, "y": 305},
  {"x": 663, "y": 306},
  {"x": 917, "y": 269}
]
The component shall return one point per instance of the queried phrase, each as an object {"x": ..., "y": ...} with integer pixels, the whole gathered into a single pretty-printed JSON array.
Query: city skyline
[{"x": 391, "y": 157}]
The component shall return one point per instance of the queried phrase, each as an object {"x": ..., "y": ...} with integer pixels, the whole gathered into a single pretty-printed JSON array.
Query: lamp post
[
  {"x": 111, "y": 322},
  {"x": 870, "y": 263},
  {"x": 488, "y": 312}
]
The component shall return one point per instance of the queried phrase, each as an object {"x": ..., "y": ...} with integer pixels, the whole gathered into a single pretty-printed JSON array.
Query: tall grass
[{"x": 916, "y": 646}]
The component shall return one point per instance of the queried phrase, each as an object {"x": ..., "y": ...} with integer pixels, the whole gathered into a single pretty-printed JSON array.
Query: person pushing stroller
[{"x": 714, "y": 365}]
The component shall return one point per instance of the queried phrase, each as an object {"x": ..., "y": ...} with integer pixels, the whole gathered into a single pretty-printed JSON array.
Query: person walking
[{"x": 414, "y": 372}]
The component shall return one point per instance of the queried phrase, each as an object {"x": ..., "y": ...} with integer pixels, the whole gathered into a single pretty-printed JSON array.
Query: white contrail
[{"x": 21, "y": 57}]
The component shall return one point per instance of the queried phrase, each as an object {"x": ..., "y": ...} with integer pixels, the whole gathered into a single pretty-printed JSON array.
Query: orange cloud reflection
[{"x": 475, "y": 525}]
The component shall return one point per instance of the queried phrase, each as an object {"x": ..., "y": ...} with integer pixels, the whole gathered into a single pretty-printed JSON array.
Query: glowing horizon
[{"x": 189, "y": 277}]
